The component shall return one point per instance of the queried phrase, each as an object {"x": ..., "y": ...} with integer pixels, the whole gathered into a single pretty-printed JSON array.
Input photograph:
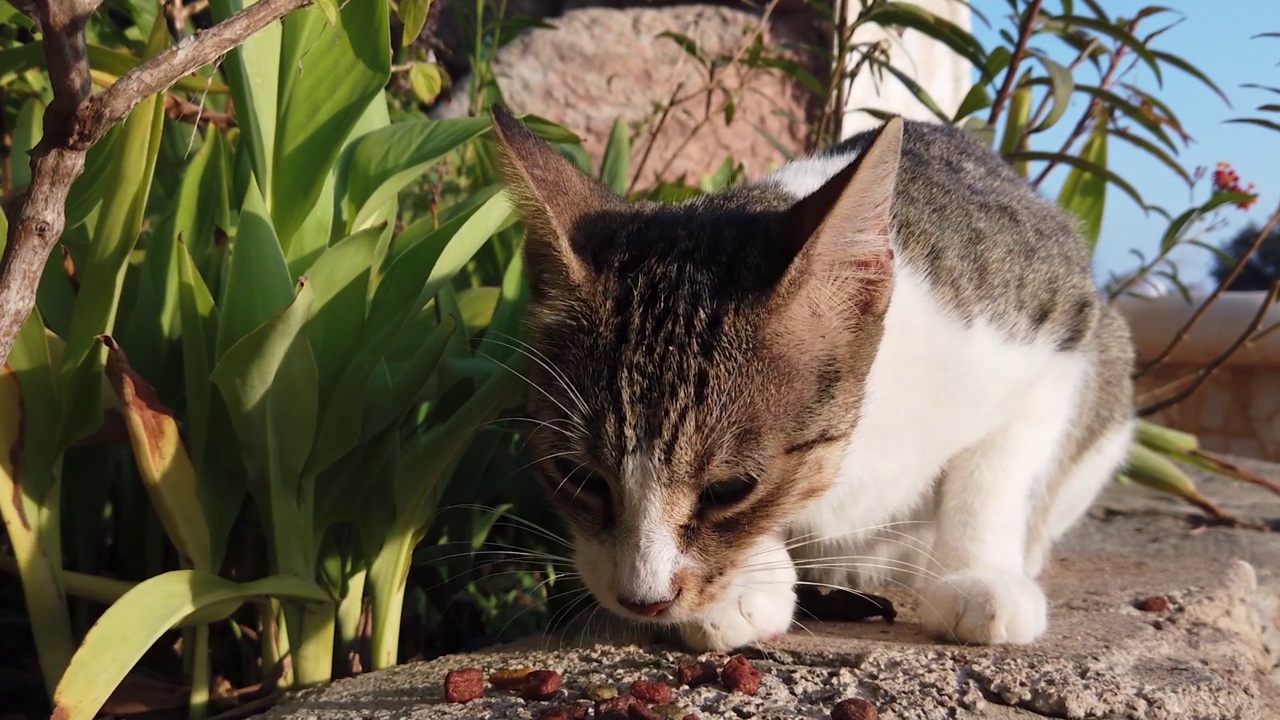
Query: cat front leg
[
  {"x": 758, "y": 604},
  {"x": 985, "y": 595}
]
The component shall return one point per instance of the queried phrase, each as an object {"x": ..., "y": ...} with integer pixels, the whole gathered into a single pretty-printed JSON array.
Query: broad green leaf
[
  {"x": 326, "y": 95},
  {"x": 977, "y": 99},
  {"x": 505, "y": 329},
  {"x": 413, "y": 13},
  {"x": 1062, "y": 85},
  {"x": 118, "y": 225},
  {"x": 1155, "y": 151},
  {"x": 909, "y": 15},
  {"x": 1193, "y": 71},
  {"x": 1268, "y": 124},
  {"x": 915, "y": 88},
  {"x": 32, "y": 364},
  {"x": 258, "y": 284},
  {"x": 124, "y": 633},
  {"x": 106, "y": 65},
  {"x": 340, "y": 281},
  {"x": 26, "y": 133},
  {"x": 1084, "y": 193},
  {"x": 551, "y": 132},
  {"x": 478, "y": 305},
  {"x": 330, "y": 10},
  {"x": 386, "y": 160},
  {"x": 615, "y": 167},
  {"x": 400, "y": 295},
  {"x": 268, "y": 380},
  {"x": 252, "y": 70},
  {"x": 199, "y": 336},
  {"x": 426, "y": 81},
  {"x": 407, "y": 386},
  {"x": 1079, "y": 162},
  {"x": 1016, "y": 121},
  {"x": 1119, "y": 34},
  {"x": 1118, "y": 104},
  {"x": 163, "y": 464}
]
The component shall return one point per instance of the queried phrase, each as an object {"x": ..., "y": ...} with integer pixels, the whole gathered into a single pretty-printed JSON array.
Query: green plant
[{"x": 279, "y": 371}]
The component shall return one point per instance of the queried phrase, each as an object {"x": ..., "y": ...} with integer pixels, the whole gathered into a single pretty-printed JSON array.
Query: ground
[{"x": 1213, "y": 654}]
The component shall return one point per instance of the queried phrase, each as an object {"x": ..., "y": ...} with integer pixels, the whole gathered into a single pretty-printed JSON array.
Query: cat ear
[
  {"x": 552, "y": 197},
  {"x": 842, "y": 230}
]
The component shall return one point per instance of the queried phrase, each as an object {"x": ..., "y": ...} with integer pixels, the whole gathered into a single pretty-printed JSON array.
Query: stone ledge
[{"x": 1214, "y": 655}]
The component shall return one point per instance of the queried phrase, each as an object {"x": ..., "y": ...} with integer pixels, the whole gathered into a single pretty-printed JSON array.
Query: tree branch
[
  {"x": 1024, "y": 34},
  {"x": 74, "y": 122}
]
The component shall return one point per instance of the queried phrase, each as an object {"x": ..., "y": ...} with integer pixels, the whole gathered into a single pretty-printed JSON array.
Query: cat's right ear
[{"x": 553, "y": 198}]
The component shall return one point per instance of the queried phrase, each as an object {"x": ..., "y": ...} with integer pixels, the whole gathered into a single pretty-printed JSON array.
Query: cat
[{"x": 884, "y": 363}]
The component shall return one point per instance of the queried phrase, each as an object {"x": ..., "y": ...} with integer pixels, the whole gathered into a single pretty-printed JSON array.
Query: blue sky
[{"x": 1214, "y": 36}]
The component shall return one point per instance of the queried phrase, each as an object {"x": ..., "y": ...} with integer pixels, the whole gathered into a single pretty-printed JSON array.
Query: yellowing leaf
[
  {"x": 163, "y": 464},
  {"x": 413, "y": 13},
  {"x": 426, "y": 81}
]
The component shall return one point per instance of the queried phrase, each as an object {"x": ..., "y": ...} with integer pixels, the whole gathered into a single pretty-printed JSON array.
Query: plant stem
[
  {"x": 1186, "y": 328},
  {"x": 1025, "y": 28},
  {"x": 199, "y": 673}
]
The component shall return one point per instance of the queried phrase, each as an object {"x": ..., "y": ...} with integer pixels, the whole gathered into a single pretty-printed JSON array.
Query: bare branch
[
  {"x": 74, "y": 122},
  {"x": 1185, "y": 330},
  {"x": 1025, "y": 30}
]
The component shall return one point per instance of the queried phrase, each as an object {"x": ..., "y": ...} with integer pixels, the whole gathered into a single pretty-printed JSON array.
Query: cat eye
[{"x": 725, "y": 494}]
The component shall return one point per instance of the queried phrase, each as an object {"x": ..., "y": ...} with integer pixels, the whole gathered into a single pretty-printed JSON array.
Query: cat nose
[{"x": 647, "y": 609}]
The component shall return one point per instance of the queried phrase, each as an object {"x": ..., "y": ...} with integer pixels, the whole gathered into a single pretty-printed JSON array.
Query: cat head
[{"x": 696, "y": 368}]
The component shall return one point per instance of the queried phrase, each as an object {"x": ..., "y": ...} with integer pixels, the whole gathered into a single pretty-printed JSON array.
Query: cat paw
[
  {"x": 757, "y": 607},
  {"x": 985, "y": 608}
]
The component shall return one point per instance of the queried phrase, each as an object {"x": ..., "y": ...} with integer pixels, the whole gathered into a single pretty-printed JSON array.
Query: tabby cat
[{"x": 884, "y": 363}]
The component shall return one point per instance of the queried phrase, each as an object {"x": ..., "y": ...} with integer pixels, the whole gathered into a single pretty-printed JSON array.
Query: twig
[
  {"x": 1019, "y": 51},
  {"x": 1202, "y": 374},
  {"x": 180, "y": 110},
  {"x": 1091, "y": 112},
  {"x": 74, "y": 122},
  {"x": 1234, "y": 469},
  {"x": 1186, "y": 328}
]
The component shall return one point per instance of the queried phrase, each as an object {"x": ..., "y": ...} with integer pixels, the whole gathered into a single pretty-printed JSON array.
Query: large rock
[
  {"x": 600, "y": 64},
  {"x": 1213, "y": 654}
]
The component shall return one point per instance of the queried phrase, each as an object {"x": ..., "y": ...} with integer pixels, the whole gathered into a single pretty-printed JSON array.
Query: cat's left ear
[
  {"x": 554, "y": 199},
  {"x": 842, "y": 231}
]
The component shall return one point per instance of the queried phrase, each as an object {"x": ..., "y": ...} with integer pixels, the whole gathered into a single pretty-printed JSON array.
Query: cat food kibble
[
  {"x": 739, "y": 676},
  {"x": 854, "y": 709},
  {"x": 639, "y": 712},
  {"x": 464, "y": 685},
  {"x": 600, "y": 693},
  {"x": 670, "y": 712},
  {"x": 695, "y": 673},
  {"x": 654, "y": 693},
  {"x": 509, "y": 679},
  {"x": 540, "y": 685},
  {"x": 564, "y": 712},
  {"x": 691, "y": 716},
  {"x": 615, "y": 708},
  {"x": 1153, "y": 604}
]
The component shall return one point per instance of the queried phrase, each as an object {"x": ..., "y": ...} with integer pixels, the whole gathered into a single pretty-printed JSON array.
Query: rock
[
  {"x": 1214, "y": 655},
  {"x": 601, "y": 64}
]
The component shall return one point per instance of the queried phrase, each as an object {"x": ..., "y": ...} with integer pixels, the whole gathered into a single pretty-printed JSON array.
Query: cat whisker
[
  {"x": 527, "y": 523},
  {"x": 847, "y": 561},
  {"x": 539, "y": 357},
  {"x": 569, "y": 416},
  {"x": 800, "y": 540}
]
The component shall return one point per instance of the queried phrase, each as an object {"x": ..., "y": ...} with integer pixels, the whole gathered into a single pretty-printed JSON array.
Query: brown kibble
[
  {"x": 654, "y": 693},
  {"x": 739, "y": 676},
  {"x": 639, "y": 712},
  {"x": 1153, "y": 604},
  {"x": 692, "y": 716},
  {"x": 464, "y": 685},
  {"x": 615, "y": 708},
  {"x": 854, "y": 709},
  {"x": 564, "y": 712},
  {"x": 510, "y": 679},
  {"x": 540, "y": 685},
  {"x": 695, "y": 673}
]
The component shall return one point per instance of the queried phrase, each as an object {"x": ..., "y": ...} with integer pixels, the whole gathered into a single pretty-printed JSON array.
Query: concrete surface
[{"x": 1214, "y": 654}]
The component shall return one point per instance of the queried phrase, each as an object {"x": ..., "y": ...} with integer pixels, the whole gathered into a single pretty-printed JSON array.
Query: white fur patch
[
  {"x": 803, "y": 177},
  {"x": 647, "y": 554}
]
